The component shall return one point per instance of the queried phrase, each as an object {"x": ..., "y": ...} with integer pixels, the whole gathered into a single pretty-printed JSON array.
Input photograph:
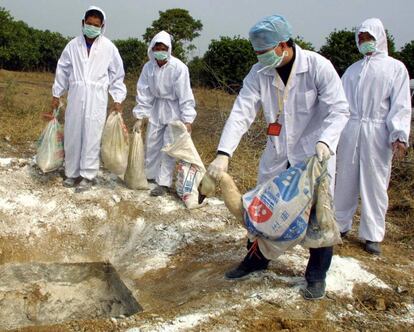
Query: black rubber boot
[
  {"x": 254, "y": 261},
  {"x": 159, "y": 191},
  {"x": 373, "y": 247},
  {"x": 314, "y": 290},
  {"x": 69, "y": 182},
  {"x": 85, "y": 185}
]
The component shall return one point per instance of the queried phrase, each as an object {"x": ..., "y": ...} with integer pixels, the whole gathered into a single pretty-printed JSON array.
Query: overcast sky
[{"x": 311, "y": 19}]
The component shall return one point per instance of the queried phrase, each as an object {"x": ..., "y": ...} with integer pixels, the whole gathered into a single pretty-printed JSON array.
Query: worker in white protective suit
[
  {"x": 89, "y": 67},
  {"x": 305, "y": 108},
  {"x": 164, "y": 95},
  {"x": 377, "y": 88}
]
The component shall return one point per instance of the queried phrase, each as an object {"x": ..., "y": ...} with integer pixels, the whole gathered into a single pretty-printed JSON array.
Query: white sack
[
  {"x": 50, "y": 152},
  {"x": 190, "y": 168},
  {"x": 115, "y": 146},
  {"x": 135, "y": 177}
]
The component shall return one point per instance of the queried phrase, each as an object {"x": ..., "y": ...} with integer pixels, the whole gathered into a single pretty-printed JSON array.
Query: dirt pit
[{"x": 41, "y": 294}]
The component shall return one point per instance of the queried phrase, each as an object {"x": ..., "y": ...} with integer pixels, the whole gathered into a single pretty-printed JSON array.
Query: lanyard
[{"x": 281, "y": 102}]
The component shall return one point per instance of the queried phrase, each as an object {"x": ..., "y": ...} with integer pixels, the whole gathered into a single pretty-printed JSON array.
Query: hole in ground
[{"x": 44, "y": 293}]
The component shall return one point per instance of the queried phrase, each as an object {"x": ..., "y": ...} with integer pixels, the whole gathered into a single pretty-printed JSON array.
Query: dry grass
[
  {"x": 24, "y": 96},
  {"x": 401, "y": 193},
  {"x": 213, "y": 108}
]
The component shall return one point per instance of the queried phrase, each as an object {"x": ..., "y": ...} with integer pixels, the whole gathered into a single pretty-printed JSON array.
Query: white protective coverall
[
  {"x": 87, "y": 80},
  {"x": 377, "y": 88},
  {"x": 315, "y": 109},
  {"x": 163, "y": 95}
]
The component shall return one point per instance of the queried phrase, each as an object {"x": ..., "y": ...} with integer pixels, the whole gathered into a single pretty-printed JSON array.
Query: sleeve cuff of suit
[
  {"x": 223, "y": 153},
  {"x": 187, "y": 119},
  {"x": 139, "y": 114},
  {"x": 118, "y": 98},
  {"x": 396, "y": 137}
]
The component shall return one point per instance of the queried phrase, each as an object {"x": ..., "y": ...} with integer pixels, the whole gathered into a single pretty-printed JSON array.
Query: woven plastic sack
[
  {"x": 135, "y": 177},
  {"x": 279, "y": 209},
  {"x": 190, "y": 168},
  {"x": 50, "y": 152},
  {"x": 115, "y": 144},
  {"x": 188, "y": 179},
  {"x": 322, "y": 228},
  {"x": 318, "y": 215}
]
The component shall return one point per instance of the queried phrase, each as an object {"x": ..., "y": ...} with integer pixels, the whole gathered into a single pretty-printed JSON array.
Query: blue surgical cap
[{"x": 269, "y": 32}]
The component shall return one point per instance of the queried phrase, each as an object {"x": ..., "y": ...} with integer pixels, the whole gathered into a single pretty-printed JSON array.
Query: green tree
[
  {"x": 6, "y": 34},
  {"x": 180, "y": 25},
  {"x": 198, "y": 72},
  {"x": 25, "y": 48},
  {"x": 341, "y": 49},
  {"x": 133, "y": 53},
  {"x": 303, "y": 44},
  {"x": 391, "y": 44},
  {"x": 18, "y": 51},
  {"x": 227, "y": 62},
  {"x": 51, "y": 45},
  {"x": 406, "y": 55}
]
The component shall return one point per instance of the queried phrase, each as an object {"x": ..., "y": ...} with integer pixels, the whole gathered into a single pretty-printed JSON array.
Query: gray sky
[{"x": 311, "y": 19}]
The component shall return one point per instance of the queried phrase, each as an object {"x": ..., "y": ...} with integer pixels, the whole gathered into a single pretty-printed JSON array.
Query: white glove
[
  {"x": 137, "y": 125},
  {"x": 218, "y": 166},
  {"x": 322, "y": 151}
]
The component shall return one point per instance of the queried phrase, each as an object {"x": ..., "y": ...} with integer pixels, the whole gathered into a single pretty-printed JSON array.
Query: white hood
[
  {"x": 375, "y": 28},
  {"x": 99, "y": 10},
  {"x": 160, "y": 37}
]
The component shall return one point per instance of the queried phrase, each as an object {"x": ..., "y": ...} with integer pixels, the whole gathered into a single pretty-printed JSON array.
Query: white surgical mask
[
  {"x": 270, "y": 59},
  {"x": 367, "y": 47},
  {"x": 160, "y": 55},
  {"x": 91, "y": 31}
]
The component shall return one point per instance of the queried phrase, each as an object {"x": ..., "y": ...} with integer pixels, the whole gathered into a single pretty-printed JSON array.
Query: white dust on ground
[
  {"x": 5, "y": 162},
  {"x": 31, "y": 208}
]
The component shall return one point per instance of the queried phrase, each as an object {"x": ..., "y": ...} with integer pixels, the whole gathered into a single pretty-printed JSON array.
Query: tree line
[{"x": 224, "y": 65}]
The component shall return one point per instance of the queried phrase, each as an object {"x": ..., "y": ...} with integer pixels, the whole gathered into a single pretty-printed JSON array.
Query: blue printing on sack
[
  {"x": 250, "y": 227},
  {"x": 296, "y": 228},
  {"x": 269, "y": 199},
  {"x": 288, "y": 181},
  {"x": 189, "y": 179}
]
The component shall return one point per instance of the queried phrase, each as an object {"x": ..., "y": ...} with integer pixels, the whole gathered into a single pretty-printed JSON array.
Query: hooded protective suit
[
  {"x": 163, "y": 95},
  {"x": 315, "y": 109},
  {"x": 377, "y": 88},
  {"x": 87, "y": 80}
]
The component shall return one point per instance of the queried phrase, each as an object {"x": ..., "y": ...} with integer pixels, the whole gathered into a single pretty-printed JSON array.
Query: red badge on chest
[{"x": 274, "y": 129}]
